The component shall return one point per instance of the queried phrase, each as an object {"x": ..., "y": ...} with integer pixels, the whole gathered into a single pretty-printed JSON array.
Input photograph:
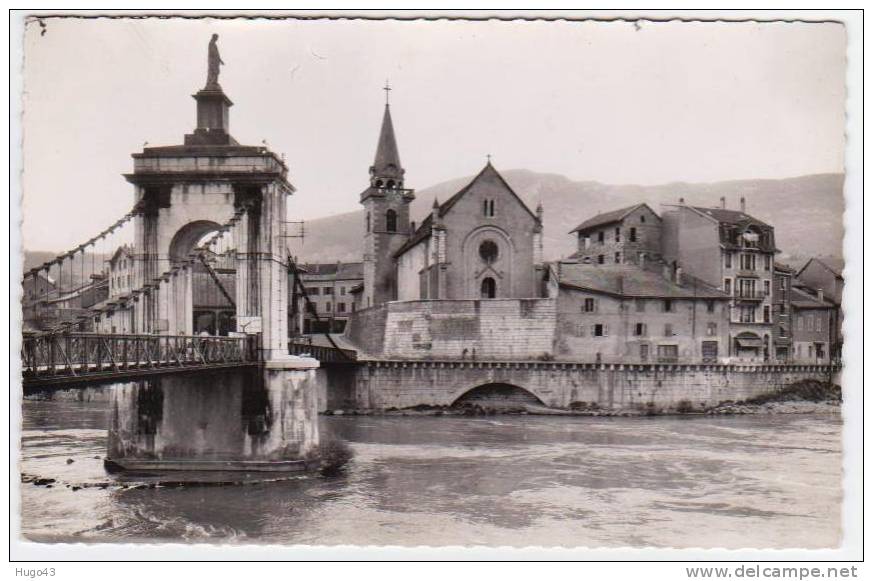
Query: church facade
[{"x": 481, "y": 243}]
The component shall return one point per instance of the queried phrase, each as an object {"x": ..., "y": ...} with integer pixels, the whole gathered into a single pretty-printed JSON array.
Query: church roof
[
  {"x": 424, "y": 230},
  {"x": 611, "y": 217},
  {"x": 386, "y": 150}
]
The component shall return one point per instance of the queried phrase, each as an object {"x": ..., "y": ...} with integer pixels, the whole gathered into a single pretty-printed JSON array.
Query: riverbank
[{"x": 805, "y": 397}]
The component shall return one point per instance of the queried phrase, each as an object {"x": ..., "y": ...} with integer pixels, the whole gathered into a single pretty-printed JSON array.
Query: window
[
  {"x": 599, "y": 330},
  {"x": 747, "y": 314},
  {"x": 488, "y": 251},
  {"x": 618, "y": 234},
  {"x": 641, "y": 305},
  {"x": 313, "y": 291},
  {"x": 327, "y": 306},
  {"x": 632, "y": 235},
  {"x": 748, "y": 261},
  {"x": 727, "y": 285},
  {"x": 488, "y": 208},
  {"x": 668, "y": 305},
  {"x": 766, "y": 313},
  {"x": 328, "y": 290},
  {"x": 618, "y": 257},
  {"x": 600, "y": 237},
  {"x": 643, "y": 219},
  {"x": 391, "y": 221},
  {"x": 640, "y": 330},
  {"x": 668, "y": 353},
  {"x": 343, "y": 290},
  {"x": 709, "y": 350},
  {"x": 766, "y": 262},
  {"x": 766, "y": 288},
  {"x": 489, "y": 288},
  {"x": 341, "y": 307},
  {"x": 600, "y": 259},
  {"x": 783, "y": 281},
  {"x": 810, "y": 351},
  {"x": 587, "y": 241},
  {"x": 727, "y": 259},
  {"x": 368, "y": 221},
  {"x": 711, "y": 329},
  {"x": 710, "y": 306},
  {"x": 782, "y": 331},
  {"x": 589, "y": 305},
  {"x": 668, "y": 330},
  {"x": 817, "y": 322},
  {"x": 644, "y": 352}
]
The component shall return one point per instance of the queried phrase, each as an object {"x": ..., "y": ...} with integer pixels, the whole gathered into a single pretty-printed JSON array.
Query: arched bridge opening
[{"x": 498, "y": 395}]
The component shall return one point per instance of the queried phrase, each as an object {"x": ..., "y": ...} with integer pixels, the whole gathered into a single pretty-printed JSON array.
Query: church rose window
[{"x": 488, "y": 251}]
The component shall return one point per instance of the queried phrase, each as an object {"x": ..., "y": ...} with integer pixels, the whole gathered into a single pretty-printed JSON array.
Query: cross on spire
[
  {"x": 387, "y": 88},
  {"x": 488, "y": 155}
]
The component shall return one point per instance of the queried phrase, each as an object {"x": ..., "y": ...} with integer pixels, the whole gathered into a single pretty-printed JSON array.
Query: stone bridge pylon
[{"x": 210, "y": 185}]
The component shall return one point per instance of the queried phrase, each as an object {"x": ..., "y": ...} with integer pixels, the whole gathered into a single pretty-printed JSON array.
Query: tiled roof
[
  {"x": 608, "y": 218},
  {"x": 832, "y": 264},
  {"x": 630, "y": 280},
  {"x": 803, "y": 298},
  {"x": 424, "y": 230},
  {"x": 338, "y": 270},
  {"x": 726, "y": 216}
]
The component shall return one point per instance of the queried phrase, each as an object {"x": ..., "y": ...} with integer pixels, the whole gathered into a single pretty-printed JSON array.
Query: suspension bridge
[{"x": 182, "y": 306}]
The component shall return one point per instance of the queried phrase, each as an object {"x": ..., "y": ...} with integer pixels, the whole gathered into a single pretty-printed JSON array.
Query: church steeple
[
  {"x": 386, "y": 171},
  {"x": 386, "y": 204}
]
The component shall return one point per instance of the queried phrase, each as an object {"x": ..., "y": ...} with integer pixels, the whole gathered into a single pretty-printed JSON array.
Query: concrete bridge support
[{"x": 262, "y": 419}]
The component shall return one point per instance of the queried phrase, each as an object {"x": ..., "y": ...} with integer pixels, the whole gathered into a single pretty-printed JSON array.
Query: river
[{"x": 736, "y": 482}]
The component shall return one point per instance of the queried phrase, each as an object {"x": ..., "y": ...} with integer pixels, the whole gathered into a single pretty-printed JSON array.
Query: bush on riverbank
[
  {"x": 335, "y": 454},
  {"x": 806, "y": 390}
]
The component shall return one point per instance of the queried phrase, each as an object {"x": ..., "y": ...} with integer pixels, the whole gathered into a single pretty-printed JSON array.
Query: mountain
[{"x": 806, "y": 211}]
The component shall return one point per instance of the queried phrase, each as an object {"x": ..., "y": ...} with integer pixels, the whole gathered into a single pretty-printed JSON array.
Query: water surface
[{"x": 733, "y": 482}]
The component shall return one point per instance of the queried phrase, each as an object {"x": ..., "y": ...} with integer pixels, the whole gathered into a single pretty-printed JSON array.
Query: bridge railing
[
  {"x": 323, "y": 353},
  {"x": 73, "y": 354}
]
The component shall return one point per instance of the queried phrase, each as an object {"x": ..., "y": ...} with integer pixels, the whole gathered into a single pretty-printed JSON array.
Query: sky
[{"x": 612, "y": 102}]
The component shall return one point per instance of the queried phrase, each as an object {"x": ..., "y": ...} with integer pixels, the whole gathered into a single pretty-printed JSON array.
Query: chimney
[
  {"x": 743, "y": 204},
  {"x": 412, "y": 227},
  {"x": 665, "y": 271},
  {"x": 642, "y": 256},
  {"x": 821, "y": 295},
  {"x": 679, "y": 278},
  {"x": 682, "y": 201},
  {"x": 723, "y": 203}
]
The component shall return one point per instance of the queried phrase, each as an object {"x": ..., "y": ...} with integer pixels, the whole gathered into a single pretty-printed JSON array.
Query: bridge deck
[{"x": 54, "y": 360}]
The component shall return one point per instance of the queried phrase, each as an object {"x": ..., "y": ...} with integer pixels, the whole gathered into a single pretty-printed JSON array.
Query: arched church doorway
[{"x": 489, "y": 288}]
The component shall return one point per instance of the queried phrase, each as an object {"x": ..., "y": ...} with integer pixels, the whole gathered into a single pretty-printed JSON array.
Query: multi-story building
[
  {"x": 329, "y": 288},
  {"x": 629, "y": 234},
  {"x": 827, "y": 275},
  {"x": 735, "y": 251},
  {"x": 121, "y": 271},
  {"x": 813, "y": 322},
  {"x": 783, "y": 279},
  {"x": 628, "y": 313}
]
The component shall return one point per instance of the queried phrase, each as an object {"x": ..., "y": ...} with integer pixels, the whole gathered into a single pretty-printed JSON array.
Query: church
[{"x": 481, "y": 243}]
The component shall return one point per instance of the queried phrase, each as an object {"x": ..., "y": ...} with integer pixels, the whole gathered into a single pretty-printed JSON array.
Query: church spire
[{"x": 386, "y": 166}]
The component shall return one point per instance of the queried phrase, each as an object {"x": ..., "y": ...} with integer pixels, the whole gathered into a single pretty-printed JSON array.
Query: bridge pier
[{"x": 259, "y": 420}]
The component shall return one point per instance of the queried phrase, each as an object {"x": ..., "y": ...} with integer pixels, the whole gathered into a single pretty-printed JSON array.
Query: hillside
[{"x": 806, "y": 211}]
